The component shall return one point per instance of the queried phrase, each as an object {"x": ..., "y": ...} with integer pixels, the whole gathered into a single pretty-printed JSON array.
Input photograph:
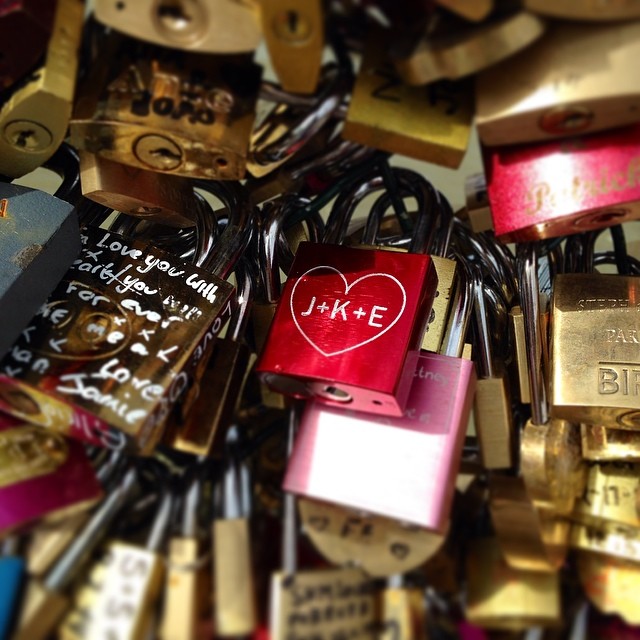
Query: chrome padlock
[
  {"x": 173, "y": 112},
  {"x": 139, "y": 320},
  {"x": 41, "y": 474},
  {"x": 214, "y": 26},
  {"x": 39, "y": 241},
  {"x": 35, "y": 117},
  {"x": 331, "y": 330},
  {"x": 427, "y": 443}
]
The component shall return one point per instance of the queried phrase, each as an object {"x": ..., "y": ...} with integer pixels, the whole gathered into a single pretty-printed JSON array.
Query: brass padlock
[
  {"x": 35, "y": 117},
  {"x": 144, "y": 194},
  {"x": 559, "y": 88},
  {"x": 430, "y": 123},
  {"x": 602, "y": 444},
  {"x": 177, "y": 113},
  {"x": 211, "y": 26},
  {"x": 294, "y": 34}
]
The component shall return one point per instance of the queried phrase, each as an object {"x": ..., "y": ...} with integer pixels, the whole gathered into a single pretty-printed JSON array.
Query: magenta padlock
[
  {"x": 42, "y": 473},
  {"x": 405, "y": 468}
]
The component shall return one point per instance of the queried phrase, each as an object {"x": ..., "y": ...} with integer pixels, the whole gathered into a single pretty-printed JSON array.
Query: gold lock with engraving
[
  {"x": 181, "y": 114},
  {"x": 35, "y": 117},
  {"x": 430, "y": 123},
  {"x": 205, "y": 26},
  {"x": 601, "y": 444},
  {"x": 594, "y": 348},
  {"x": 611, "y": 539},
  {"x": 560, "y": 87}
]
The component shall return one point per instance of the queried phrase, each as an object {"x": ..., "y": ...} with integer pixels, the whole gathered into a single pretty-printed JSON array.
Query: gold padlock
[
  {"x": 600, "y": 444},
  {"x": 35, "y": 118}
]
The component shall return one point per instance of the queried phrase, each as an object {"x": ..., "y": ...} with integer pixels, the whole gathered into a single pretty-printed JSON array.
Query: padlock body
[
  {"x": 402, "y": 468},
  {"x": 185, "y": 115},
  {"x": 41, "y": 474},
  {"x": 562, "y": 187},
  {"x": 39, "y": 239},
  {"x": 196, "y": 26},
  {"x": 348, "y": 327},
  {"x": 558, "y": 88},
  {"x": 113, "y": 348},
  {"x": 595, "y": 370}
]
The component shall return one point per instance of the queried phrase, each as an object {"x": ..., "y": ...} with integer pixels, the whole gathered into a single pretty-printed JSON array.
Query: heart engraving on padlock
[{"x": 327, "y": 327}]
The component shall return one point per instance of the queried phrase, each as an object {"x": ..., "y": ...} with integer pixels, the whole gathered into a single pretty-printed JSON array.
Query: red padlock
[
  {"x": 562, "y": 187},
  {"x": 349, "y": 323}
]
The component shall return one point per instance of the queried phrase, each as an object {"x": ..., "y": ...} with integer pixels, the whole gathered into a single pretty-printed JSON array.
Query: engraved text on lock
[{"x": 336, "y": 316}]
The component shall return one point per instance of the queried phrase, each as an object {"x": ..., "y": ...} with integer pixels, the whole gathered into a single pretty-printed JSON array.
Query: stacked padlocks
[{"x": 313, "y": 474}]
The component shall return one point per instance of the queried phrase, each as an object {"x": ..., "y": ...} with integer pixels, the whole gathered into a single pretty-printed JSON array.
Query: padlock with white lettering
[
  {"x": 349, "y": 322},
  {"x": 114, "y": 347}
]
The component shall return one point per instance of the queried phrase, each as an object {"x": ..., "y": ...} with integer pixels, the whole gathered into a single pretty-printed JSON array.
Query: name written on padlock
[{"x": 116, "y": 342}]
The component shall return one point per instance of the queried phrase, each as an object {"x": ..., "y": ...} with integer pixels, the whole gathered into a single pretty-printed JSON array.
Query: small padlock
[
  {"x": 294, "y": 34},
  {"x": 135, "y": 592},
  {"x": 234, "y": 592},
  {"x": 167, "y": 111},
  {"x": 41, "y": 474},
  {"x": 142, "y": 321},
  {"x": 185, "y": 569},
  {"x": 561, "y": 187},
  {"x": 17, "y": 53},
  {"x": 46, "y": 600},
  {"x": 39, "y": 239},
  {"x": 610, "y": 539},
  {"x": 35, "y": 118},
  {"x": 550, "y": 452},
  {"x": 402, "y": 612},
  {"x": 431, "y": 123},
  {"x": 501, "y": 597},
  {"x": 218, "y": 26},
  {"x": 516, "y": 325},
  {"x": 196, "y": 428},
  {"x": 427, "y": 443},
  {"x": 330, "y": 331},
  {"x": 557, "y": 87},
  {"x": 451, "y": 48},
  {"x": 145, "y": 194}
]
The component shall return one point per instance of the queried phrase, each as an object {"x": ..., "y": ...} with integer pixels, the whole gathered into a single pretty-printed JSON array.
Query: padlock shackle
[
  {"x": 289, "y": 549},
  {"x": 160, "y": 526},
  {"x": 245, "y": 294},
  {"x": 527, "y": 254}
]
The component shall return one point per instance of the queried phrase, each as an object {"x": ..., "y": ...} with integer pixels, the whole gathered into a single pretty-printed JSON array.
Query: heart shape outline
[{"x": 347, "y": 287}]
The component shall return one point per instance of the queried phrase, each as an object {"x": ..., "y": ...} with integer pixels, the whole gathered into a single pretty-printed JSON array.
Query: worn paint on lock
[
  {"x": 417, "y": 484},
  {"x": 41, "y": 473},
  {"x": 137, "y": 319},
  {"x": 557, "y": 188},
  {"x": 343, "y": 313}
]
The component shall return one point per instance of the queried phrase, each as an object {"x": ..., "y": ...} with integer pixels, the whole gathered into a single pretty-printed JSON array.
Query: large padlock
[
  {"x": 35, "y": 118},
  {"x": 173, "y": 112},
  {"x": 219, "y": 26},
  {"x": 555, "y": 91},
  {"x": 427, "y": 442},
  {"x": 139, "y": 320},
  {"x": 561, "y": 187},
  {"x": 39, "y": 240},
  {"x": 343, "y": 310},
  {"x": 594, "y": 375}
]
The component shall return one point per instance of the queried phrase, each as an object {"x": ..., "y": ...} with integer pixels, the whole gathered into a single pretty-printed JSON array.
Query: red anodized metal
[
  {"x": 557, "y": 188},
  {"x": 348, "y": 327}
]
